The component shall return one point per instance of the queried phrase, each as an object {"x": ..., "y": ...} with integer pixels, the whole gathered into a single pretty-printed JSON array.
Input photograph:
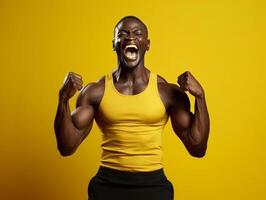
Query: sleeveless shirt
[{"x": 131, "y": 127}]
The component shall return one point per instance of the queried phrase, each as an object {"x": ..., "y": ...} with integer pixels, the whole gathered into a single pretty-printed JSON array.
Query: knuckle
[
  {"x": 77, "y": 75},
  {"x": 72, "y": 79},
  {"x": 79, "y": 78},
  {"x": 70, "y": 76}
]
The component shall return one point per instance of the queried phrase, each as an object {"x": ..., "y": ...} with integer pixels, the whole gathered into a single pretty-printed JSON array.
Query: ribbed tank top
[{"x": 131, "y": 127}]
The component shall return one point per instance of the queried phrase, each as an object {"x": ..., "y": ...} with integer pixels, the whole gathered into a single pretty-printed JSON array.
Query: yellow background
[{"x": 221, "y": 42}]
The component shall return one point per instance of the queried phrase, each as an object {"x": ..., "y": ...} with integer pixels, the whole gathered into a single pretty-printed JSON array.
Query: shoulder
[
  {"x": 91, "y": 93},
  {"x": 171, "y": 94}
]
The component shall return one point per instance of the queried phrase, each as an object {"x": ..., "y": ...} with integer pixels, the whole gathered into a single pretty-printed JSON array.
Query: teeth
[
  {"x": 129, "y": 54},
  {"x": 131, "y": 46}
]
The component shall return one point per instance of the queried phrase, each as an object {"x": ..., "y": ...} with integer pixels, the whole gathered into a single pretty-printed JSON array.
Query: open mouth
[{"x": 131, "y": 51}]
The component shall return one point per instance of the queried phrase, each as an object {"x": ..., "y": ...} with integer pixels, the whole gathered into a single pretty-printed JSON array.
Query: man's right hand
[{"x": 71, "y": 84}]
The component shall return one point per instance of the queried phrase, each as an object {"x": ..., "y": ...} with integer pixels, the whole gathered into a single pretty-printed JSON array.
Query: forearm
[
  {"x": 66, "y": 133},
  {"x": 199, "y": 130}
]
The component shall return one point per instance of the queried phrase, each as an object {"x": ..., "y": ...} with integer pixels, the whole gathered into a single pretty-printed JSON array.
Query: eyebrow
[{"x": 134, "y": 30}]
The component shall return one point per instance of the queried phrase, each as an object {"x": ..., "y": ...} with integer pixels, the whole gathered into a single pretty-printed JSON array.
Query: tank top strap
[
  {"x": 152, "y": 83},
  {"x": 108, "y": 81}
]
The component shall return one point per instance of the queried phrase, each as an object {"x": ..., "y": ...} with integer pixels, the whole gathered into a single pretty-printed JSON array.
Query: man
[{"x": 131, "y": 105}]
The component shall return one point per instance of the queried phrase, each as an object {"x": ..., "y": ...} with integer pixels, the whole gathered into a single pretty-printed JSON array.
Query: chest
[{"x": 137, "y": 109}]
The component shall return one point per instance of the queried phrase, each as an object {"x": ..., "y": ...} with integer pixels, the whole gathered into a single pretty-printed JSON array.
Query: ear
[
  {"x": 148, "y": 45},
  {"x": 113, "y": 44}
]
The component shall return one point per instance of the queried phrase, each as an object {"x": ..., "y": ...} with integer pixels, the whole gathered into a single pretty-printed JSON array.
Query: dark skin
[{"x": 131, "y": 77}]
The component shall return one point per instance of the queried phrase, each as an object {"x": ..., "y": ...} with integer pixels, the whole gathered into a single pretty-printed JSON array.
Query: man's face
[{"x": 130, "y": 42}]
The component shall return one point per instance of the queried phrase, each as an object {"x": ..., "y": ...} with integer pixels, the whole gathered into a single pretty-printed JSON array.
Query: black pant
[{"x": 110, "y": 184}]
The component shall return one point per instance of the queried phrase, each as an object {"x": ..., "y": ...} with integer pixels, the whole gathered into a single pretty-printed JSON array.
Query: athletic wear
[
  {"x": 110, "y": 184},
  {"x": 132, "y": 126}
]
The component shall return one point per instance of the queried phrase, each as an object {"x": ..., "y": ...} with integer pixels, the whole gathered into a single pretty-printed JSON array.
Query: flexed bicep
[
  {"x": 181, "y": 116},
  {"x": 181, "y": 119},
  {"x": 180, "y": 110},
  {"x": 82, "y": 117}
]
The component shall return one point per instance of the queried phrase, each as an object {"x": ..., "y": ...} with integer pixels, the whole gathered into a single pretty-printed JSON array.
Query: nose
[{"x": 130, "y": 36}]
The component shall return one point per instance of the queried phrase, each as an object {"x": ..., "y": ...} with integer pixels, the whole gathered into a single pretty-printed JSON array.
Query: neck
[{"x": 125, "y": 74}]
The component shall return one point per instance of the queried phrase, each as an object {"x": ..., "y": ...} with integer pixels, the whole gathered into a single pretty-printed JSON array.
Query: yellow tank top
[{"x": 131, "y": 127}]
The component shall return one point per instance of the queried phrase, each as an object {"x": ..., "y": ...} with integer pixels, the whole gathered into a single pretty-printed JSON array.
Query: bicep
[
  {"x": 181, "y": 116},
  {"x": 83, "y": 115},
  {"x": 181, "y": 120}
]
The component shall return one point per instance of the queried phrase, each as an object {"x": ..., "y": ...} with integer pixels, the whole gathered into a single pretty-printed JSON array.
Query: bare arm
[
  {"x": 72, "y": 128},
  {"x": 192, "y": 129}
]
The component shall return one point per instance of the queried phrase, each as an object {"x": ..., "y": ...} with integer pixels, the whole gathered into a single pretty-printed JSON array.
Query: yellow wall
[{"x": 221, "y": 42}]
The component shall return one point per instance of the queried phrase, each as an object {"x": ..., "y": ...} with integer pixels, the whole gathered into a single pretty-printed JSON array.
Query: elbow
[
  {"x": 66, "y": 151},
  {"x": 197, "y": 148},
  {"x": 199, "y": 152}
]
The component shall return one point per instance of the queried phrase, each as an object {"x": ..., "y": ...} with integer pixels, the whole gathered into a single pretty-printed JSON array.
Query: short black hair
[{"x": 131, "y": 17}]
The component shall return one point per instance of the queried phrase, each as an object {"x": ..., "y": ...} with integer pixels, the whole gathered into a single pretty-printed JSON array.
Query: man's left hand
[{"x": 188, "y": 82}]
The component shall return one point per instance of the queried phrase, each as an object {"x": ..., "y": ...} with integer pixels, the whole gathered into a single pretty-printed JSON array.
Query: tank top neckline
[{"x": 131, "y": 95}]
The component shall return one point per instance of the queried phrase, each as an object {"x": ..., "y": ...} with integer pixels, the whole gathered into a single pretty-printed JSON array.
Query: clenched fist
[
  {"x": 71, "y": 84},
  {"x": 187, "y": 82}
]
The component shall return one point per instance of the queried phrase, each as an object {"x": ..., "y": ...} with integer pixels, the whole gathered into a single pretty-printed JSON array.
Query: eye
[
  {"x": 138, "y": 32},
  {"x": 121, "y": 33}
]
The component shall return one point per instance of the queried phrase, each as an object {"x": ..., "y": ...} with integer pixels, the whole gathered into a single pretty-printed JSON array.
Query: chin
[{"x": 130, "y": 64}]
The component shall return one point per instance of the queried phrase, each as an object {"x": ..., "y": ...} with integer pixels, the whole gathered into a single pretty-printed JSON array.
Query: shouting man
[{"x": 131, "y": 106}]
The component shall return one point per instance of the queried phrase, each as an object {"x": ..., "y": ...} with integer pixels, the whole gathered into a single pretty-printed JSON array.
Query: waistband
[{"x": 131, "y": 178}]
